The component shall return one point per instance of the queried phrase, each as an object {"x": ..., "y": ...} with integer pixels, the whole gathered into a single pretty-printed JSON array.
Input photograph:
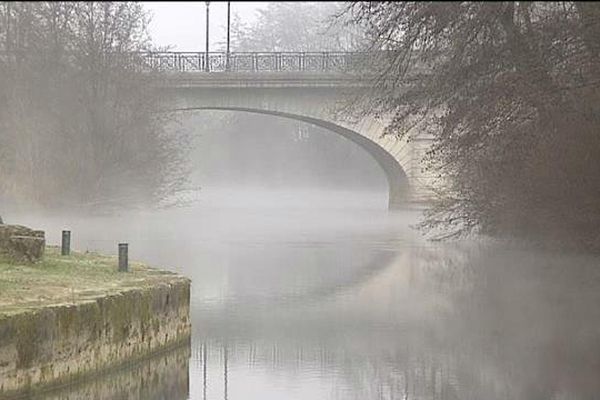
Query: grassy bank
[{"x": 62, "y": 280}]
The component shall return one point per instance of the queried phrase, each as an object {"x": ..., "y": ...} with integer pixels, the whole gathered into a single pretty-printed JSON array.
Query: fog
[
  {"x": 306, "y": 284},
  {"x": 188, "y": 34},
  {"x": 345, "y": 304},
  {"x": 319, "y": 292},
  {"x": 270, "y": 157}
]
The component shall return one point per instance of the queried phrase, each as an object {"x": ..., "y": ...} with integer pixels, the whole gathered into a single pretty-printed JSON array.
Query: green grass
[{"x": 59, "y": 280}]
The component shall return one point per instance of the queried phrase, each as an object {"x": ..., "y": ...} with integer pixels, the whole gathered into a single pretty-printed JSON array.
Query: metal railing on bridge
[{"x": 254, "y": 62}]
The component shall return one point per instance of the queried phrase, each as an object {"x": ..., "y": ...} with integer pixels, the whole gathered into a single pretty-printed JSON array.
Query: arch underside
[{"x": 398, "y": 183}]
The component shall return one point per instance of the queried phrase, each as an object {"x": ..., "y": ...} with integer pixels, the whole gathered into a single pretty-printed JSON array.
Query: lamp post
[
  {"x": 228, "y": 29},
  {"x": 206, "y": 59},
  {"x": 7, "y": 37}
]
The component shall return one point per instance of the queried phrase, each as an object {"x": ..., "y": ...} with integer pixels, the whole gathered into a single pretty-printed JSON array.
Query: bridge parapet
[{"x": 337, "y": 62}]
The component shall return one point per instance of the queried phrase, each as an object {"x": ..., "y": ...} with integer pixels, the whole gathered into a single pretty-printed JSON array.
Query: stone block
[{"x": 21, "y": 244}]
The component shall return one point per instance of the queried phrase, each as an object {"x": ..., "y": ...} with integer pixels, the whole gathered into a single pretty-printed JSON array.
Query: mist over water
[
  {"x": 303, "y": 285},
  {"x": 307, "y": 293}
]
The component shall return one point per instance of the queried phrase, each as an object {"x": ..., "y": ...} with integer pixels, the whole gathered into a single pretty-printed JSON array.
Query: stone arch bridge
[{"x": 308, "y": 87}]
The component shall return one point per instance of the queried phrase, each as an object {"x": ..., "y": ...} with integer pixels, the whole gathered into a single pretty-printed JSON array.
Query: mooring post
[
  {"x": 65, "y": 248},
  {"x": 123, "y": 257}
]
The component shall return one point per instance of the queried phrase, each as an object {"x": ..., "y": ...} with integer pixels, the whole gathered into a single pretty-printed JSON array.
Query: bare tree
[
  {"x": 296, "y": 26},
  {"x": 80, "y": 123},
  {"x": 511, "y": 90}
]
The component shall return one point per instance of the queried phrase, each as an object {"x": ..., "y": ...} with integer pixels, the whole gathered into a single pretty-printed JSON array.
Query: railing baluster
[{"x": 248, "y": 61}]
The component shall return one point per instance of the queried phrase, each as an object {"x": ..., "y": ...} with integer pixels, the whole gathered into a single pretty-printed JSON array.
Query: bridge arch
[{"x": 398, "y": 183}]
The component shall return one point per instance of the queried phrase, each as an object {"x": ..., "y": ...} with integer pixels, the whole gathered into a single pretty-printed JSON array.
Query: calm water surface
[{"x": 316, "y": 304}]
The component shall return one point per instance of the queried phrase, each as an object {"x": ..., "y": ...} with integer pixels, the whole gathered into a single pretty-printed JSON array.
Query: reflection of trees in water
[
  {"x": 164, "y": 376},
  {"x": 518, "y": 325},
  {"x": 531, "y": 321},
  {"x": 514, "y": 325},
  {"x": 393, "y": 375}
]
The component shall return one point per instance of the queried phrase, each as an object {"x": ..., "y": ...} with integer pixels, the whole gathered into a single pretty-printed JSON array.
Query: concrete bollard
[
  {"x": 123, "y": 257},
  {"x": 65, "y": 248}
]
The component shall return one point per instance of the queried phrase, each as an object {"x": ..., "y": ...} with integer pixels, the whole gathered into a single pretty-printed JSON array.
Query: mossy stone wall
[{"x": 49, "y": 346}]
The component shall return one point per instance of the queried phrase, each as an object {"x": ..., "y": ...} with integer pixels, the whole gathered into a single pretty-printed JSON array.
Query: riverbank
[{"x": 64, "y": 318}]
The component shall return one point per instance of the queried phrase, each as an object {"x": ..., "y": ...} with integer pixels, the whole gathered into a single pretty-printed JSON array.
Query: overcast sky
[{"x": 182, "y": 25}]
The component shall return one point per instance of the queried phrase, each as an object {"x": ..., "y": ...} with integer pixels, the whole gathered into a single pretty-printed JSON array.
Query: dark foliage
[{"x": 511, "y": 93}]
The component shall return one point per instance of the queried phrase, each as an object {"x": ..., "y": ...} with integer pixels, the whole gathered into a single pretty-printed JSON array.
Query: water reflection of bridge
[
  {"x": 487, "y": 333},
  {"x": 296, "y": 339}
]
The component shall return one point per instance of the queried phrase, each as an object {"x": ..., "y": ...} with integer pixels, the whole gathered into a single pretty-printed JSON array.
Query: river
[{"x": 311, "y": 302}]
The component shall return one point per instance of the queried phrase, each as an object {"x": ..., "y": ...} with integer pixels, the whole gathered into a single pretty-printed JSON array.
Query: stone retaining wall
[{"x": 50, "y": 346}]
